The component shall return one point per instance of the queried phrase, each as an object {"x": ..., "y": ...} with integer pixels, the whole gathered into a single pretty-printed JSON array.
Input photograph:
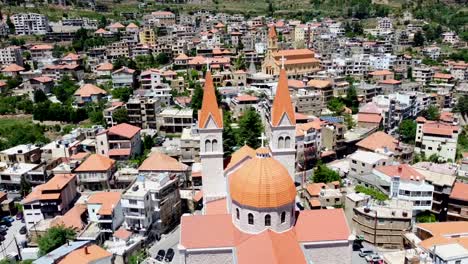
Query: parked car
[
  {"x": 2, "y": 238},
  {"x": 19, "y": 216},
  {"x": 169, "y": 255},
  {"x": 160, "y": 255},
  {"x": 373, "y": 258},
  {"x": 365, "y": 251},
  {"x": 7, "y": 223},
  {"x": 8, "y": 218},
  {"x": 3, "y": 229},
  {"x": 23, "y": 230},
  {"x": 357, "y": 245}
]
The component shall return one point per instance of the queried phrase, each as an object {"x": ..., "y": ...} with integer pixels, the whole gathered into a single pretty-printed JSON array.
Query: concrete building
[
  {"x": 10, "y": 55},
  {"x": 175, "y": 120},
  {"x": 363, "y": 162},
  {"x": 124, "y": 78},
  {"x": 21, "y": 154},
  {"x": 143, "y": 111},
  {"x": 120, "y": 142},
  {"x": 383, "y": 225},
  {"x": 436, "y": 138},
  {"x": 324, "y": 196},
  {"x": 30, "y": 24},
  {"x": 458, "y": 203},
  {"x": 95, "y": 172},
  {"x": 242, "y": 103},
  {"x": 105, "y": 211},
  {"x": 190, "y": 145},
  {"x": 50, "y": 199}
]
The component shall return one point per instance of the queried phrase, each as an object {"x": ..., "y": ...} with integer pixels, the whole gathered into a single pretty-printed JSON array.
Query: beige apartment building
[{"x": 21, "y": 154}]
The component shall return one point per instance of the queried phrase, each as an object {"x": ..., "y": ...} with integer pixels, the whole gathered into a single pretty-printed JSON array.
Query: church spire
[
  {"x": 272, "y": 39},
  {"x": 209, "y": 105},
  {"x": 282, "y": 104}
]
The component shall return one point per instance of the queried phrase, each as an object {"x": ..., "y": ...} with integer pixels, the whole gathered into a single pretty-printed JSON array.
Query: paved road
[
  {"x": 170, "y": 240},
  {"x": 9, "y": 246}
]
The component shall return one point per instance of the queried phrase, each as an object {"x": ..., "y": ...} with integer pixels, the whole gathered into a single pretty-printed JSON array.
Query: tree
[
  {"x": 96, "y": 117},
  {"x": 462, "y": 105},
  {"x": 407, "y": 130},
  {"x": 123, "y": 93},
  {"x": 65, "y": 89},
  {"x": 162, "y": 59},
  {"x": 197, "y": 99},
  {"x": 11, "y": 26},
  {"x": 54, "y": 237},
  {"x": 39, "y": 96},
  {"x": 229, "y": 134},
  {"x": 250, "y": 129},
  {"x": 25, "y": 186},
  {"x": 351, "y": 99},
  {"x": 239, "y": 62},
  {"x": 120, "y": 116},
  {"x": 349, "y": 121},
  {"x": 432, "y": 113},
  {"x": 409, "y": 73},
  {"x": 418, "y": 40},
  {"x": 148, "y": 142},
  {"x": 324, "y": 174},
  {"x": 336, "y": 106}
]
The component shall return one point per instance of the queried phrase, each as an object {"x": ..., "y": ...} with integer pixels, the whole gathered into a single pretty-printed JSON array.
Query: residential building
[
  {"x": 50, "y": 199},
  {"x": 174, "y": 120},
  {"x": 89, "y": 93},
  {"x": 109, "y": 112},
  {"x": 143, "y": 111},
  {"x": 242, "y": 103},
  {"x": 363, "y": 162},
  {"x": 10, "y": 175},
  {"x": 383, "y": 225},
  {"x": 95, "y": 172},
  {"x": 30, "y": 24},
  {"x": 160, "y": 18},
  {"x": 152, "y": 204},
  {"x": 458, "y": 203},
  {"x": 422, "y": 75},
  {"x": 147, "y": 36},
  {"x": 152, "y": 80},
  {"x": 382, "y": 143},
  {"x": 124, "y": 78},
  {"x": 161, "y": 163},
  {"x": 436, "y": 138},
  {"x": 308, "y": 142},
  {"x": 57, "y": 72},
  {"x": 120, "y": 142},
  {"x": 190, "y": 145},
  {"x": 324, "y": 87},
  {"x": 88, "y": 255},
  {"x": 321, "y": 195},
  {"x": 11, "y": 54},
  {"x": 105, "y": 211},
  {"x": 42, "y": 53},
  {"x": 21, "y": 154},
  {"x": 43, "y": 83}
]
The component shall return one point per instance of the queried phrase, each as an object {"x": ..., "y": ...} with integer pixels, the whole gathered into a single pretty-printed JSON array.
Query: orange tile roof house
[
  {"x": 88, "y": 255},
  {"x": 119, "y": 142},
  {"x": 55, "y": 197},
  {"x": 458, "y": 203},
  {"x": 160, "y": 162},
  {"x": 89, "y": 93},
  {"x": 105, "y": 210},
  {"x": 95, "y": 172},
  {"x": 381, "y": 142},
  {"x": 436, "y": 138}
]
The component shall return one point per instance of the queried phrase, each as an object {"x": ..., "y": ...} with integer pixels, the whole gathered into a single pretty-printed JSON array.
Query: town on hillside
[{"x": 235, "y": 132}]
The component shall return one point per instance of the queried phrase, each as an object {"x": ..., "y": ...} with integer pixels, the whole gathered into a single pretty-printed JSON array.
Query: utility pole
[{"x": 18, "y": 248}]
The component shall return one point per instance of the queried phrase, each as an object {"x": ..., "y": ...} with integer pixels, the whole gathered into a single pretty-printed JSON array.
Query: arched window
[
  {"x": 283, "y": 217},
  {"x": 214, "y": 144},
  {"x": 207, "y": 146},
  {"x": 251, "y": 219},
  {"x": 267, "y": 220},
  {"x": 287, "y": 142},
  {"x": 237, "y": 213},
  {"x": 280, "y": 142}
]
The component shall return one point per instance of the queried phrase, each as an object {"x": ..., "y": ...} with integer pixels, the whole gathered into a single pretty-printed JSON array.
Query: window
[
  {"x": 237, "y": 213},
  {"x": 283, "y": 217},
  {"x": 267, "y": 220},
  {"x": 207, "y": 146},
  {"x": 251, "y": 219},
  {"x": 354, "y": 161},
  {"x": 287, "y": 142},
  {"x": 280, "y": 142},
  {"x": 214, "y": 144}
]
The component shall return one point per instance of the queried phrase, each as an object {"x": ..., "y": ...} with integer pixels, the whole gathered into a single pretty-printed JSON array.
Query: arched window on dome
[
  {"x": 280, "y": 142},
  {"x": 283, "y": 217},
  {"x": 207, "y": 145},
  {"x": 237, "y": 213},
  {"x": 214, "y": 145},
  {"x": 251, "y": 219},
  {"x": 267, "y": 220},
  {"x": 287, "y": 142}
]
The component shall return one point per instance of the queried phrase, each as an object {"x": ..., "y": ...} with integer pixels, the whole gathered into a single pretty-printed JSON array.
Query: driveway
[
  {"x": 170, "y": 240},
  {"x": 9, "y": 245}
]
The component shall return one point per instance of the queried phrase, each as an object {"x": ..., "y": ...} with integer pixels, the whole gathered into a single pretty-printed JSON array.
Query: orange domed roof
[{"x": 262, "y": 182}]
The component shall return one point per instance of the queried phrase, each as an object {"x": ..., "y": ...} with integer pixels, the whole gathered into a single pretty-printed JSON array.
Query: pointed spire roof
[
  {"x": 272, "y": 32},
  {"x": 282, "y": 104},
  {"x": 209, "y": 105}
]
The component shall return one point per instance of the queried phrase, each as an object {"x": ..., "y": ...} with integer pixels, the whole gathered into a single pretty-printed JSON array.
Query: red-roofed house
[
  {"x": 89, "y": 93},
  {"x": 435, "y": 137},
  {"x": 458, "y": 203},
  {"x": 124, "y": 77},
  {"x": 95, "y": 172},
  {"x": 42, "y": 83},
  {"x": 381, "y": 75},
  {"x": 55, "y": 197},
  {"x": 120, "y": 142},
  {"x": 242, "y": 103},
  {"x": 105, "y": 209}
]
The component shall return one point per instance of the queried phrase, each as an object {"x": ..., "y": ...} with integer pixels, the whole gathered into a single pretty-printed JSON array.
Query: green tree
[
  {"x": 120, "y": 116},
  {"x": 65, "y": 89},
  {"x": 250, "y": 129},
  {"x": 123, "y": 93},
  {"x": 432, "y": 113},
  {"x": 462, "y": 105},
  {"x": 229, "y": 134},
  {"x": 39, "y": 96},
  {"x": 336, "y": 106},
  {"x": 96, "y": 117},
  {"x": 351, "y": 99},
  {"x": 148, "y": 142},
  {"x": 54, "y": 237},
  {"x": 425, "y": 217},
  {"x": 349, "y": 121},
  {"x": 197, "y": 99},
  {"x": 409, "y": 73},
  {"x": 324, "y": 174},
  {"x": 407, "y": 130},
  {"x": 418, "y": 40},
  {"x": 162, "y": 59},
  {"x": 25, "y": 186},
  {"x": 239, "y": 62},
  {"x": 11, "y": 26}
]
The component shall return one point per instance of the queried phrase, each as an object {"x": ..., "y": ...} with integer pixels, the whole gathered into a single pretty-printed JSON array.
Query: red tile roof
[
  {"x": 239, "y": 155},
  {"x": 439, "y": 75},
  {"x": 246, "y": 98},
  {"x": 209, "y": 107},
  {"x": 13, "y": 68},
  {"x": 86, "y": 254},
  {"x": 105, "y": 67},
  {"x": 322, "y": 225},
  {"x": 41, "y": 47},
  {"x": 56, "y": 183},
  {"x": 96, "y": 162},
  {"x": 216, "y": 207},
  {"x": 161, "y": 162},
  {"x": 381, "y": 73},
  {"x": 107, "y": 200},
  {"x": 459, "y": 191},
  {"x": 369, "y": 118},
  {"x": 89, "y": 90},
  {"x": 122, "y": 233},
  {"x": 282, "y": 105},
  {"x": 124, "y": 130},
  {"x": 119, "y": 152},
  {"x": 378, "y": 140},
  {"x": 441, "y": 129},
  {"x": 390, "y": 81},
  {"x": 72, "y": 218},
  {"x": 404, "y": 171},
  {"x": 272, "y": 32}
]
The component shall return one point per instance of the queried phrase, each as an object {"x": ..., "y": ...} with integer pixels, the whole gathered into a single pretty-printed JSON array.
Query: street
[
  {"x": 167, "y": 241},
  {"x": 9, "y": 246}
]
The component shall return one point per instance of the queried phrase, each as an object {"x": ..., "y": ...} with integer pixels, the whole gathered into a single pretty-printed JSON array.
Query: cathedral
[
  {"x": 250, "y": 213},
  {"x": 297, "y": 62}
]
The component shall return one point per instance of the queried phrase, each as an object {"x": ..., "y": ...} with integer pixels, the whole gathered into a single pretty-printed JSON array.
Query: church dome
[{"x": 262, "y": 182}]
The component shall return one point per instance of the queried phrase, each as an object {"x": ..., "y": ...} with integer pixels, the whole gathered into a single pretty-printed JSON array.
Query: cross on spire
[
  {"x": 207, "y": 64},
  {"x": 262, "y": 138},
  {"x": 282, "y": 61}
]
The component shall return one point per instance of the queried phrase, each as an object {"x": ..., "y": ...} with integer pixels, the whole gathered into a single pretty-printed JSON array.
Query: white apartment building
[
  {"x": 152, "y": 80},
  {"x": 11, "y": 54},
  {"x": 123, "y": 77},
  {"x": 382, "y": 62},
  {"x": 174, "y": 120},
  {"x": 450, "y": 37},
  {"x": 406, "y": 184},
  {"x": 105, "y": 211},
  {"x": 363, "y": 162},
  {"x": 152, "y": 203},
  {"x": 422, "y": 75},
  {"x": 142, "y": 111},
  {"x": 30, "y": 24},
  {"x": 435, "y": 137}
]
